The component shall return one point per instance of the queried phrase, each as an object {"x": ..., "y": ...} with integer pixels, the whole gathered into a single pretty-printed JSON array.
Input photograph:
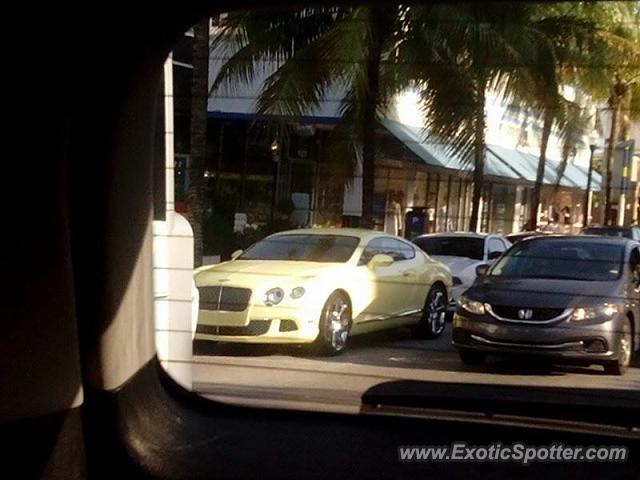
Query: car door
[
  {"x": 387, "y": 285},
  {"x": 404, "y": 254}
]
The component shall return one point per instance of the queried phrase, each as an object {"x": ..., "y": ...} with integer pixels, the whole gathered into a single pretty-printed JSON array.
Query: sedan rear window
[
  {"x": 562, "y": 259},
  {"x": 468, "y": 247},
  {"x": 310, "y": 248}
]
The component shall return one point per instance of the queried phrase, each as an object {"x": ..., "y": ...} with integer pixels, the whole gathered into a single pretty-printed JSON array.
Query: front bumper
[
  {"x": 591, "y": 341},
  {"x": 259, "y": 324}
]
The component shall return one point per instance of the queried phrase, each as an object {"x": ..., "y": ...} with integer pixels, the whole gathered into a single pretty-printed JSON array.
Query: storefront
[
  {"x": 419, "y": 186},
  {"x": 419, "y": 181}
]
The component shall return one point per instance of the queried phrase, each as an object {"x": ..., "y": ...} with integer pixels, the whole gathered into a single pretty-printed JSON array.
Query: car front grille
[
  {"x": 229, "y": 299},
  {"x": 532, "y": 314},
  {"x": 255, "y": 328}
]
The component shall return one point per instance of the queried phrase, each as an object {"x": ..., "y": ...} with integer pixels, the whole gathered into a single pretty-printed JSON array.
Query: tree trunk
[
  {"x": 542, "y": 161},
  {"x": 371, "y": 99},
  {"x": 478, "y": 155},
  {"x": 613, "y": 137},
  {"x": 562, "y": 167},
  {"x": 625, "y": 95},
  {"x": 198, "y": 134}
]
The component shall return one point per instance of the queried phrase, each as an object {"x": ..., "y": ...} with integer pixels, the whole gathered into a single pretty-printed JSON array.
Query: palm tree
[
  {"x": 525, "y": 53},
  {"x": 573, "y": 37},
  {"x": 366, "y": 53},
  {"x": 313, "y": 53},
  {"x": 479, "y": 46},
  {"x": 578, "y": 120},
  {"x": 614, "y": 46},
  {"x": 198, "y": 135},
  {"x": 452, "y": 53}
]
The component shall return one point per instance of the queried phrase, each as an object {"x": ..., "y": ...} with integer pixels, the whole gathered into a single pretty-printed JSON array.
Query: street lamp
[
  {"x": 275, "y": 150},
  {"x": 593, "y": 144},
  {"x": 275, "y": 156}
]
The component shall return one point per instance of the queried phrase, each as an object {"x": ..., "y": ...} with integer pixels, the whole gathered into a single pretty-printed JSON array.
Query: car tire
[
  {"x": 434, "y": 314},
  {"x": 470, "y": 357},
  {"x": 624, "y": 353},
  {"x": 335, "y": 323}
]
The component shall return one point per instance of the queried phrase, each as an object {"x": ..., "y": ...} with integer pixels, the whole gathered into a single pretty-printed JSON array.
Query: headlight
[
  {"x": 477, "y": 308},
  {"x": 273, "y": 296},
  {"x": 297, "y": 293},
  {"x": 606, "y": 311}
]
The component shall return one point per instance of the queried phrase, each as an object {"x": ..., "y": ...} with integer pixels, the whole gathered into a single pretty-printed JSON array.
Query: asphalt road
[{"x": 289, "y": 377}]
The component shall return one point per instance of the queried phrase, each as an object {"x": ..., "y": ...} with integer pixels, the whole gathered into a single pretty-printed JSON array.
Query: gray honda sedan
[{"x": 568, "y": 298}]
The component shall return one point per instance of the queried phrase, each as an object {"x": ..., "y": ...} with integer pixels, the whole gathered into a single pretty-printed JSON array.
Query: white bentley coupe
[{"x": 319, "y": 286}]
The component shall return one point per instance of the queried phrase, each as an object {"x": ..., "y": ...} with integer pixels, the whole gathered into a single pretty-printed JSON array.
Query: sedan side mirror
[
  {"x": 380, "y": 260},
  {"x": 481, "y": 270},
  {"x": 236, "y": 254},
  {"x": 493, "y": 255}
]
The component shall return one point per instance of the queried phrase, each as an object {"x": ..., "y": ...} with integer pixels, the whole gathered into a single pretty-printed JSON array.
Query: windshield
[
  {"x": 309, "y": 248},
  {"x": 335, "y": 145},
  {"x": 468, "y": 247},
  {"x": 562, "y": 259}
]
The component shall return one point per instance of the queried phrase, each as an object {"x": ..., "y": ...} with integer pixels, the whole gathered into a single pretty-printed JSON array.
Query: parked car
[
  {"x": 561, "y": 297},
  {"x": 614, "y": 231},
  {"x": 516, "y": 237},
  {"x": 462, "y": 252},
  {"x": 322, "y": 285}
]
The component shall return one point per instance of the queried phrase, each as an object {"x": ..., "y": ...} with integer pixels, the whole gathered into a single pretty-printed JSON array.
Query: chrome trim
[
  {"x": 562, "y": 316},
  {"x": 391, "y": 317},
  {"x": 478, "y": 338}
]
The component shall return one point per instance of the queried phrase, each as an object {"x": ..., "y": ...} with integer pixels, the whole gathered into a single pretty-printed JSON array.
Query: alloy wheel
[
  {"x": 626, "y": 346},
  {"x": 336, "y": 323},
  {"x": 434, "y": 314},
  {"x": 437, "y": 311}
]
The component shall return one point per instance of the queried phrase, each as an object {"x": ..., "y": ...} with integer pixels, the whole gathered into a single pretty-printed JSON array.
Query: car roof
[
  {"x": 457, "y": 234},
  {"x": 581, "y": 238},
  {"x": 610, "y": 228},
  {"x": 361, "y": 233}
]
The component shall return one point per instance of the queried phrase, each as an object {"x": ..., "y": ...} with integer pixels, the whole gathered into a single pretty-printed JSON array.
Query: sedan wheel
[
  {"x": 334, "y": 325},
  {"x": 625, "y": 352},
  {"x": 434, "y": 314}
]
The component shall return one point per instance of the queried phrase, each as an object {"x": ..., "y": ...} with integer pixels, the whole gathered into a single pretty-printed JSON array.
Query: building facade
[{"x": 261, "y": 170}]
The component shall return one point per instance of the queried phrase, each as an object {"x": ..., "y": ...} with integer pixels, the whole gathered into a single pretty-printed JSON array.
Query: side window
[
  {"x": 496, "y": 245},
  {"x": 400, "y": 250},
  {"x": 373, "y": 247},
  {"x": 389, "y": 246}
]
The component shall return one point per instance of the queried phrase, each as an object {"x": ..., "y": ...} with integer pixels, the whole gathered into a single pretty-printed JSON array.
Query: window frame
[{"x": 118, "y": 425}]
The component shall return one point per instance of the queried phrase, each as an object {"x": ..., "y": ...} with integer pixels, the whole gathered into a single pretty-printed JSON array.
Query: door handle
[{"x": 408, "y": 273}]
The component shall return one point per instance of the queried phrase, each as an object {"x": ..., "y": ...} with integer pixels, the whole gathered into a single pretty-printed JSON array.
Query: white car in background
[{"x": 462, "y": 252}]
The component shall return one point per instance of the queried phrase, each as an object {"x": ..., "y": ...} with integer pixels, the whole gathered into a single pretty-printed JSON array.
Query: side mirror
[
  {"x": 380, "y": 260},
  {"x": 481, "y": 270},
  {"x": 236, "y": 254},
  {"x": 493, "y": 255}
]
